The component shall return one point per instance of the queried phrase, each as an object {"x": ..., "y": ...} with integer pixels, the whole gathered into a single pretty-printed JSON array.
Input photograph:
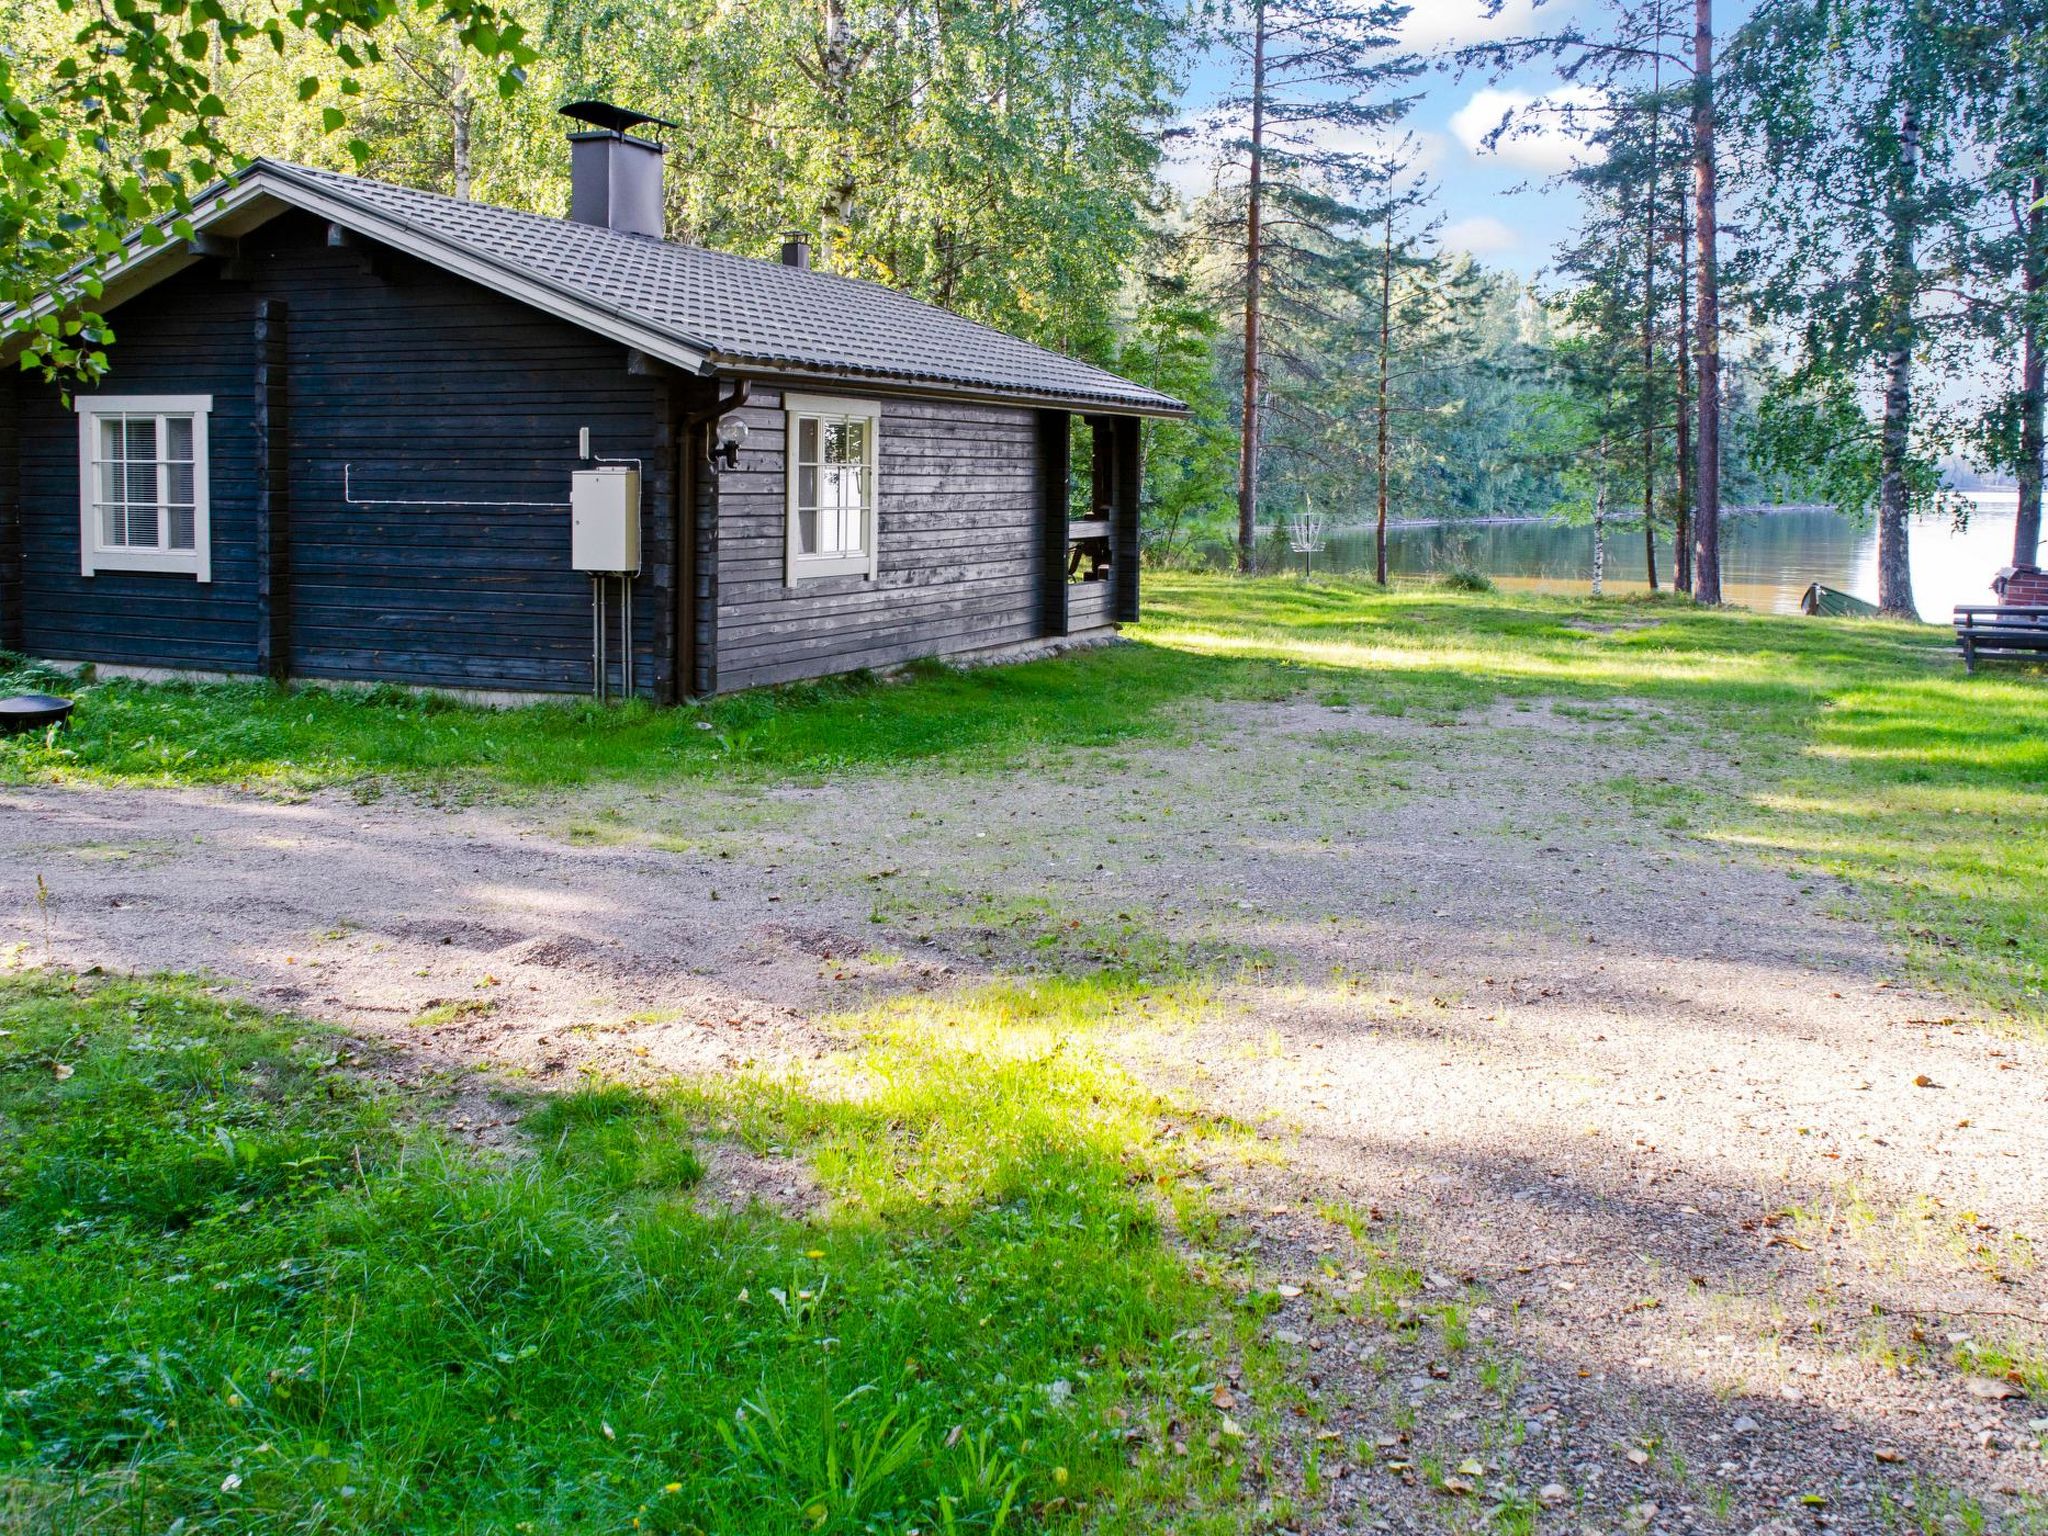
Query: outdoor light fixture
[{"x": 726, "y": 438}]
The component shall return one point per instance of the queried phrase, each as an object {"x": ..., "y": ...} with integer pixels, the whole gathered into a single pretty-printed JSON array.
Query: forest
[{"x": 1807, "y": 261}]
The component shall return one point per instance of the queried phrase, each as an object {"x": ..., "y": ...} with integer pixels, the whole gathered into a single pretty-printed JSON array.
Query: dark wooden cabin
[{"x": 344, "y": 420}]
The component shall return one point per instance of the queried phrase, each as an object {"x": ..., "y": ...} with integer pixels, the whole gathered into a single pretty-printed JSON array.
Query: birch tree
[
  {"x": 1849, "y": 111},
  {"x": 114, "y": 116}
]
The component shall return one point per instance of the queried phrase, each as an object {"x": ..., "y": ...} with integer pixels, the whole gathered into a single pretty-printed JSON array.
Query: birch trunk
[
  {"x": 2026, "y": 533},
  {"x": 1600, "y": 531},
  {"x": 461, "y": 118},
  {"x": 1894, "y": 567}
]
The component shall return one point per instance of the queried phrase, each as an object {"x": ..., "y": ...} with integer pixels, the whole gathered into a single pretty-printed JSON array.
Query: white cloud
[
  {"x": 1481, "y": 235},
  {"x": 1541, "y": 136},
  {"x": 1443, "y": 23},
  {"x": 1191, "y": 166}
]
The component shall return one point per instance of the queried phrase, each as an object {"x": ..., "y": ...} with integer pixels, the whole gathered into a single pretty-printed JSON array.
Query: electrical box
[{"x": 604, "y": 519}]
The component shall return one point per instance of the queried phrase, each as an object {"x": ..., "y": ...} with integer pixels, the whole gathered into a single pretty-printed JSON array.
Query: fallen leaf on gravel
[
  {"x": 1288, "y": 1291},
  {"x": 1222, "y": 1399},
  {"x": 1471, "y": 1467},
  {"x": 1814, "y": 1500},
  {"x": 1455, "y": 1485},
  {"x": 1887, "y": 1453},
  {"x": 1985, "y": 1386}
]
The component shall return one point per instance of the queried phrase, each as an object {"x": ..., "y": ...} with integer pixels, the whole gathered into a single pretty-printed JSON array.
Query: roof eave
[
  {"x": 1163, "y": 409},
  {"x": 145, "y": 266}
]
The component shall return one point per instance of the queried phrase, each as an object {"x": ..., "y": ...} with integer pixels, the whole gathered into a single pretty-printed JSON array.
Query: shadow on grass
[{"x": 236, "y": 1293}]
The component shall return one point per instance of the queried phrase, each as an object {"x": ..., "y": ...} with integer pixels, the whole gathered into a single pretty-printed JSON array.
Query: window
[
  {"x": 832, "y": 487},
  {"x": 142, "y": 484}
]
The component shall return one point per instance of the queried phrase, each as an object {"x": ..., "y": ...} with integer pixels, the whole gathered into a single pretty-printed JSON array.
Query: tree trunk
[
  {"x": 1386, "y": 343},
  {"x": 461, "y": 116},
  {"x": 1650, "y": 340},
  {"x": 1894, "y": 568},
  {"x": 2026, "y": 533},
  {"x": 836, "y": 68},
  {"x": 1248, "y": 451},
  {"x": 1681, "y": 542},
  {"x": 1600, "y": 528},
  {"x": 1706, "y": 520}
]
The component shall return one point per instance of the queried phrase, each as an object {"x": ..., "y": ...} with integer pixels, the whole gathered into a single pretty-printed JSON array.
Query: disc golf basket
[{"x": 1305, "y": 534}]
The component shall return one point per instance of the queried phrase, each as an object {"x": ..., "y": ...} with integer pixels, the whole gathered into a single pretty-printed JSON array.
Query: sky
[{"x": 1502, "y": 204}]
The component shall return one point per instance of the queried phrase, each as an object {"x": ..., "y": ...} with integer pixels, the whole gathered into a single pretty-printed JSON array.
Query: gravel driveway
[{"x": 1717, "y": 1225}]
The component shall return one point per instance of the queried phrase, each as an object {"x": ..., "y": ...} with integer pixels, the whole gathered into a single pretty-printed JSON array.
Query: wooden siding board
[
  {"x": 10, "y": 518},
  {"x": 960, "y": 548},
  {"x": 271, "y": 420},
  {"x": 190, "y": 335},
  {"x": 434, "y": 388},
  {"x": 427, "y": 386},
  {"x": 1055, "y": 459},
  {"x": 431, "y": 387}
]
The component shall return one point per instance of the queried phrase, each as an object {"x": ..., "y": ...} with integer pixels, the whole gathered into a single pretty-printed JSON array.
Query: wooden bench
[{"x": 2006, "y": 630}]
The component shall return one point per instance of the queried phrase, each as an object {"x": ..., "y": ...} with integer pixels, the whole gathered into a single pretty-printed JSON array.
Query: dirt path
[{"x": 1707, "y": 1210}]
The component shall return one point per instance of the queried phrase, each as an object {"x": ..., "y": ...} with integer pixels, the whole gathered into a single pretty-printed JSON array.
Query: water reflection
[{"x": 1767, "y": 558}]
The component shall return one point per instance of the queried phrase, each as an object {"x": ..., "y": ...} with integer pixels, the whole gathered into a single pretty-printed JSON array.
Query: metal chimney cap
[{"x": 602, "y": 114}]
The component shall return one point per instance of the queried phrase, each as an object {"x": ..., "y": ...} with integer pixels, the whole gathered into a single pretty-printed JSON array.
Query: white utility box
[{"x": 604, "y": 519}]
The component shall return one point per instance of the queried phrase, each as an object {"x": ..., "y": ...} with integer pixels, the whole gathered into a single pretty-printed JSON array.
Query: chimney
[
  {"x": 796, "y": 249},
  {"x": 615, "y": 175}
]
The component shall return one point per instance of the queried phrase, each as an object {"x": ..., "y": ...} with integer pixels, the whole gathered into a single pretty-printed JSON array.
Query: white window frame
[
  {"x": 94, "y": 555},
  {"x": 799, "y": 567}
]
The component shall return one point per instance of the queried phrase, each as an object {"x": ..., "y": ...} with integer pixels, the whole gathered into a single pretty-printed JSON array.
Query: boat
[{"x": 1831, "y": 603}]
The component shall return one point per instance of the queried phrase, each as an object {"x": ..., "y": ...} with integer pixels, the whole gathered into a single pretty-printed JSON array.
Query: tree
[
  {"x": 1415, "y": 303},
  {"x": 2005, "y": 56},
  {"x": 1643, "y": 38},
  {"x": 1628, "y": 258},
  {"x": 1849, "y": 112},
  {"x": 1314, "y": 94},
  {"x": 1593, "y": 406},
  {"x": 112, "y": 117}
]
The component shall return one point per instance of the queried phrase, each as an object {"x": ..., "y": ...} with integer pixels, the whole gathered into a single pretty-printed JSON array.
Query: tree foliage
[{"x": 115, "y": 115}]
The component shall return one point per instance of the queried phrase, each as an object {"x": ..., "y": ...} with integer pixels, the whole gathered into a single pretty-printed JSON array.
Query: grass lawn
[
  {"x": 243, "y": 1288},
  {"x": 240, "y": 1292},
  {"x": 1864, "y": 747}
]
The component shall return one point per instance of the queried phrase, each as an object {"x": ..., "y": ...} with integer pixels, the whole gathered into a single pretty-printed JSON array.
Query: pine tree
[{"x": 1319, "y": 80}]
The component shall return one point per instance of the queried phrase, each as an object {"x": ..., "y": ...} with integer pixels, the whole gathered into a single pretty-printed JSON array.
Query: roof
[{"x": 707, "y": 311}]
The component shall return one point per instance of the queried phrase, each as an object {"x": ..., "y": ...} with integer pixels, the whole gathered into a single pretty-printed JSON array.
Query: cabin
[{"x": 355, "y": 431}]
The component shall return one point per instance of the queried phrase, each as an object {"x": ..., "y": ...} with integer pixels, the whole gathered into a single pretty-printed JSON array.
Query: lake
[{"x": 1767, "y": 558}]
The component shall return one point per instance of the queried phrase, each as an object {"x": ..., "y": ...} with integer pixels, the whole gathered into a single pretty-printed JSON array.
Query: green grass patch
[
  {"x": 305, "y": 737},
  {"x": 238, "y": 1292},
  {"x": 1863, "y": 748}
]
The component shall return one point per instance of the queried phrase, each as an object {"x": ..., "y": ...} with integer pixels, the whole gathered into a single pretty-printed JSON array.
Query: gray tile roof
[{"x": 740, "y": 312}]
